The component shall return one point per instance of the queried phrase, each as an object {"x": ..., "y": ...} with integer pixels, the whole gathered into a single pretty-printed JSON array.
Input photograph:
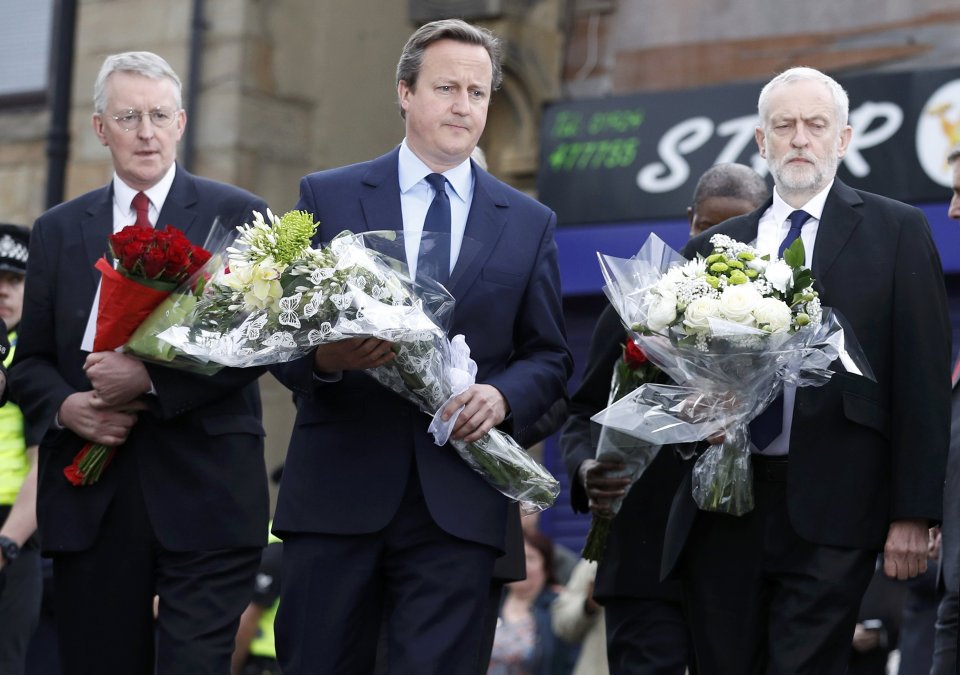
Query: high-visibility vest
[
  {"x": 14, "y": 464},
  {"x": 264, "y": 643}
]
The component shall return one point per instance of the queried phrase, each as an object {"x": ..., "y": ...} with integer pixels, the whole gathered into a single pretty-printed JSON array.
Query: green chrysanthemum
[{"x": 282, "y": 239}]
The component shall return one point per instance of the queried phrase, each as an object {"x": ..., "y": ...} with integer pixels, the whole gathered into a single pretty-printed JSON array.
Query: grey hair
[
  {"x": 840, "y": 99},
  {"x": 147, "y": 64},
  {"x": 411, "y": 58},
  {"x": 731, "y": 180}
]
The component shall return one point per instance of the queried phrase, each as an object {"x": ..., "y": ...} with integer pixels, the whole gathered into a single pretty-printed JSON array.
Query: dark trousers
[
  {"x": 104, "y": 600},
  {"x": 762, "y": 600},
  {"x": 646, "y": 637},
  {"x": 19, "y": 609},
  {"x": 427, "y": 588}
]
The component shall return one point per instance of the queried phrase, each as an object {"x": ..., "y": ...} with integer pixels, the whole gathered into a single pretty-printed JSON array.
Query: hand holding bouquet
[
  {"x": 151, "y": 263},
  {"x": 729, "y": 329},
  {"x": 632, "y": 370},
  {"x": 278, "y": 299}
]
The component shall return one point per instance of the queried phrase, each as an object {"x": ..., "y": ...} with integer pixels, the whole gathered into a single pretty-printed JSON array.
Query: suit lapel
[
  {"x": 839, "y": 220},
  {"x": 485, "y": 222},
  {"x": 380, "y": 200},
  {"x": 180, "y": 208},
  {"x": 95, "y": 226}
]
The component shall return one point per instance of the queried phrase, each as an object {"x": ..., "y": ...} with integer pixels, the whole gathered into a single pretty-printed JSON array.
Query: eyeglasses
[{"x": 159, "y": 117}]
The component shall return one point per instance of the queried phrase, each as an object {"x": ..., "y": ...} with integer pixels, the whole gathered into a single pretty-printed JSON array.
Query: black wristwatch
[{"x": 9, "y": 549}]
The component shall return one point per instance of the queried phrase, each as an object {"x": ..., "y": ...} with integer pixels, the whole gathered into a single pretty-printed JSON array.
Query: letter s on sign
[{"x": 674, "y": 171}]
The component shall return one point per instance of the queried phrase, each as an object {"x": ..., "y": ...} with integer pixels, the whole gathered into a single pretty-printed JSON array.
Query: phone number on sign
[{"x": 579, "y": 155}]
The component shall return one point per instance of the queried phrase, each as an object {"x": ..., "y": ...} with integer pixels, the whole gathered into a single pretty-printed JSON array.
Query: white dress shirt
[
  {"x": 416, "y": 195},
  {"x": 123, "y": 212},
  {"x": 773, "y": 227}
]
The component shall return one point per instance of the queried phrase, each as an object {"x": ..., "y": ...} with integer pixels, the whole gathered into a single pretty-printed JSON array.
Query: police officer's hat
[{"x": 14, "y": 248}]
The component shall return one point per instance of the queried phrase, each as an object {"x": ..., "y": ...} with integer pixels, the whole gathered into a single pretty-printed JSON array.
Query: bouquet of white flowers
[
  {"x": 277, "y": 299},
  {"x": 730, "y": 330}
]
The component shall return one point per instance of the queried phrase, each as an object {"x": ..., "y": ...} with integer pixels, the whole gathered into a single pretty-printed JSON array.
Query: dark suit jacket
[
  {"x": 198, "y": 452},
  {"x": 863, "y": 453},
  {"x": 631, "y": 563},
  {"x": 949, "y": 570},
  {"x": 354, "y": 442}
]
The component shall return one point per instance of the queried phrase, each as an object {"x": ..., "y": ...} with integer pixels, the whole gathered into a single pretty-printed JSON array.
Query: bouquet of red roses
[{"x": 151, "y": 263}]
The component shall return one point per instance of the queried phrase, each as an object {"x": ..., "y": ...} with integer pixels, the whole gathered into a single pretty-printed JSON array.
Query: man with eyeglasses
[{"x": 181, "y": 511}]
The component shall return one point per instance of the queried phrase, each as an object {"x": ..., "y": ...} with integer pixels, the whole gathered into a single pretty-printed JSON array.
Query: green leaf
[
  {"x": 802, "y": 278},
  {"x": 795, "y": 255}
]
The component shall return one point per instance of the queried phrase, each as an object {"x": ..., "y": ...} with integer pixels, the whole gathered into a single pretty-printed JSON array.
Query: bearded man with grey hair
[{"x": 855, "y": 467}]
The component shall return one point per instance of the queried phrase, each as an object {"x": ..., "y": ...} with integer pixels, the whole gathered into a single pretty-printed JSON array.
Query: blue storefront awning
[{"x": 578, "y": 245}]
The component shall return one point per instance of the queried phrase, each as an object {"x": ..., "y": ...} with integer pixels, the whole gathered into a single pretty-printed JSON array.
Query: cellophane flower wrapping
[
  {"x": 730, "y": 330},
  {"x": 150, "y": 264},
  {"x": 271, "y": 298},
  {"x": 632, "y": 370}
]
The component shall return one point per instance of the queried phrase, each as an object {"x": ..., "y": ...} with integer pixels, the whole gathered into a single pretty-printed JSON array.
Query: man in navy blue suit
[
  {"x": 378, "y": 522},
  {"x": 181, "y": 511}
]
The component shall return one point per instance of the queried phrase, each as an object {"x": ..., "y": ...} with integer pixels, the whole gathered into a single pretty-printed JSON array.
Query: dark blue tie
[
  {"x": 797, "y": 219},
  {"x": 434, "y": 257},
  {"x": 768, "y": 424}
]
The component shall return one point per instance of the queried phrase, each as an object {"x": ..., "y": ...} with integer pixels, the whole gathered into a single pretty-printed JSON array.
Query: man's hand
[
  {"x": 85, "y": 414},
  {"x": 484, "y": 407},
  {"x": 601, "y": 488},
  {"x": 117, "y": 378},
  {"x": 905, "y": 553},
  {"x": 352, "y": 354}
]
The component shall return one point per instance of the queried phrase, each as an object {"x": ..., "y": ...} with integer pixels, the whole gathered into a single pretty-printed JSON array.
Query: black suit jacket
[
  {"x": 198, "y": 452},
  {"x": 863, "y": 453},
  {"x": 631, "y": 563}
]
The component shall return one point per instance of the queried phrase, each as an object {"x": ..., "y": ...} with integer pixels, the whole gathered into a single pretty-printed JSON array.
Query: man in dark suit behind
[
  {"x": 646, "y": 630},
  {"x": 181, "y": 512},
  {"x": 858, "y": 465},
  {"x": 946, "y": 640},
  {"x": 376, "y": 519}
]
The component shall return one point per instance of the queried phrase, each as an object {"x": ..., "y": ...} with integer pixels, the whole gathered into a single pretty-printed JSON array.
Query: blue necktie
[
  {"x": 768, "y": 424},
  {"x": 434, "y": 257},
  {"x": 797, "y": 220}
]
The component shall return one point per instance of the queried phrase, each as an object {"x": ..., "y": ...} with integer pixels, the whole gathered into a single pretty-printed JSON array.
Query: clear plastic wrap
[{"x": 725, "y": 372}]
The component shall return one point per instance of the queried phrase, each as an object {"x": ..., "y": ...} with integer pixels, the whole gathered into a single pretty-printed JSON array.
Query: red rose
[
  {"x": 153, "y": 263},
  {"x": 633, "y": 355}
]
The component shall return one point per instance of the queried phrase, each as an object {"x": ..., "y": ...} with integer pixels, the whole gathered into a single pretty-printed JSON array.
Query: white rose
[
  {"x": 758, "y": 264},
  {"x": 696, "y": 318},
  {"x": 772, "y": 315},
  {"x": 737, "y": 303},
  {"x": 662, "y": 310},
  {"x": 779, "y": 274}
]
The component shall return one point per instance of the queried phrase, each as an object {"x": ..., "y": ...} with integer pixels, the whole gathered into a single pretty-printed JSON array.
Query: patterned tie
[
  {"x": 434, "y": 257},
  {"x": 797, "y": 220},
  {"x": 141, "y": 203},
  {"x": 769, "y": 424}
]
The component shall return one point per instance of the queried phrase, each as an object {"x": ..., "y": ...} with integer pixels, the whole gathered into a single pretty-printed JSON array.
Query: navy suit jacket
[
  {"x": 863, "y": 453},
  {"x": 354, "y": 442},
  {"x": 198, "y": 452}
]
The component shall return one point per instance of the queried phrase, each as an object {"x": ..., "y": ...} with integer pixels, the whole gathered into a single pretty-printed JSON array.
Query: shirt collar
[
  {"x": 782, "y": 210},
  {"x": 412, "y": 171},
  {"x": 123, "y": 194}
]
